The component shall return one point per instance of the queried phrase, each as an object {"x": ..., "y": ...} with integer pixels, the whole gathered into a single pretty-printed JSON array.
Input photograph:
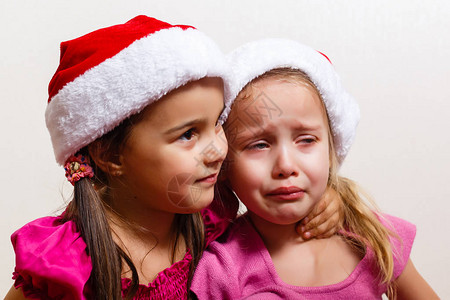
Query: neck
[
  {"x": 130, "y": 220},
  {"x": 153, "y": 228},
  {"x": 276, "y": 236},
  {"x": 147, "y": 235}
]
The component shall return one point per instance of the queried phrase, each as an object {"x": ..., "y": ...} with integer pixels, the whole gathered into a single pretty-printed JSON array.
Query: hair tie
[{"x": 76, "y": 168}]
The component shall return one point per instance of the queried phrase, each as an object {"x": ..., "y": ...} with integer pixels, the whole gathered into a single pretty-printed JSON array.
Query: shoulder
[
  {"x": 218, "y": 261},
  {"x": 51, "y": 259},
  {"x": 236, "y": 242},
  {"x": 399, "y": 226},
  {"x": 216, "y": 275},
  {"x": 402, "y": 239},
  {"x": 230, "y": 264}
]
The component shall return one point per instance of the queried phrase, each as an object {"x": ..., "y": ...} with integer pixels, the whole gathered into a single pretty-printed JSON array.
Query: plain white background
[{"x": 393, "y": 56}]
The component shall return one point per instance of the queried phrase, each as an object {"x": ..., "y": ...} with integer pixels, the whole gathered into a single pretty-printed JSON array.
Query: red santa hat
[
  {"x": 253, "y": 59},
  {"x": 112, "y": 73}
]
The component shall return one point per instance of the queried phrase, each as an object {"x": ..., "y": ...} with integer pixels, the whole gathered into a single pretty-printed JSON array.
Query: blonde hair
[{"x": 360, "y": 219}]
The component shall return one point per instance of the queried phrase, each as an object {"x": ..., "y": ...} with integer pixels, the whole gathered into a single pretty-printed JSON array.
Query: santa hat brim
[
  {"x": 256, "y": 58},
  {"x": 101, "y": 98}
]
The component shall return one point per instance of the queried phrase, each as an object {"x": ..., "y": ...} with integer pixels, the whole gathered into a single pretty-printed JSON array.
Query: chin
[
  {"x": 289, "y": 216},
  {"x": 287, "y": 222},
  {"x": 202, "y": 203},
  {"x": 284, "y": 219}
]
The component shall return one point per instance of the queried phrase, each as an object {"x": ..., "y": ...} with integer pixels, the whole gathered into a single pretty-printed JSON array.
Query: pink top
[
  {"x": 241, "y": 268},
  {"x": 51, "y": 261}
]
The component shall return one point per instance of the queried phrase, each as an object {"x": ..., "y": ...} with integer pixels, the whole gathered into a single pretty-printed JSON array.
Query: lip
[
  {"x": 286, "y": 193},
  {"x": 208, "y": 179}
]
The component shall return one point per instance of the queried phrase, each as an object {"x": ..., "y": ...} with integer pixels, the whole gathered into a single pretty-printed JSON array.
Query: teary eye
[
  {"x": 306, "y": 139},
  {"x": 258, "y": 146}
]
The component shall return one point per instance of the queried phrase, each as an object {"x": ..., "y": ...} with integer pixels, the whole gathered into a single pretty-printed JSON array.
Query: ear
[{"x": 106, "y": 161}]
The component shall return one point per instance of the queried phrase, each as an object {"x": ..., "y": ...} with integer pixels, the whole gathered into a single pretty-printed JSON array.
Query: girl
[
  {"x": 290, "y": 128},
  {"x": 133, "y": 116}
]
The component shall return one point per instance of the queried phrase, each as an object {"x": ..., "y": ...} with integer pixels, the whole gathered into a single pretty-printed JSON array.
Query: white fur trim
[
  {"x": 256, "y": 58},
  {"x": 101, "y": 98}
]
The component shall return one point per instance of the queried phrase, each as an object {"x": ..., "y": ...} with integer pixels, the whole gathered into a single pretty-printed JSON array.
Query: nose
[
  {"x": 216, "y": 149},
  {"x": 284, "y": 165}
]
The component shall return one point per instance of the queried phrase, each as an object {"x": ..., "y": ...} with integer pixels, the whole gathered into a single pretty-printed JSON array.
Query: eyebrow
[
  {"x": 256, "y": 131},
  {"x": 307, "y": 127},
  {"x": 190, "y": 123},
  {"x": 184, "y": 125}
]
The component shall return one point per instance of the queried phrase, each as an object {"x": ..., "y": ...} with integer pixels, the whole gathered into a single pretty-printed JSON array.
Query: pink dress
[
  {"x": 240, "y": 267},
  {"x": 51, "y": 261}
]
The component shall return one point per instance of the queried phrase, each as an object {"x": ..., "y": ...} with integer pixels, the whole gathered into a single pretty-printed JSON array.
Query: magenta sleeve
[
  {"x": 51, "y": 260},
  {"x": 402, "y": 240}
]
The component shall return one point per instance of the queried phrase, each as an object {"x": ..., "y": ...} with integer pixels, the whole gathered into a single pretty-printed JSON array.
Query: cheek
[
  {"x": 175, "y": 159},
  {"x": 243, "y": 174},
  {"x": 319, "y": 171},
  {"x": 323, "y": 175}
]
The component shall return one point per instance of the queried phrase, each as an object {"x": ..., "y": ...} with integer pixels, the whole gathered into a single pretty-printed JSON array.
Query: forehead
[
  {"x": 194, "y": 99},
  {"x": 272, "y": 107},
  {"x": 272, "y": 97}
]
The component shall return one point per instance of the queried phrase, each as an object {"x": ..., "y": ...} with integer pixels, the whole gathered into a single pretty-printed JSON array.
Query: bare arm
[
  {"x": 411, "y": 285},
  {"x": 15, "y": 294}
]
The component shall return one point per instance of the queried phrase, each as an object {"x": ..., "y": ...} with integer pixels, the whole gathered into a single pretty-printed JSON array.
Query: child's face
[
  {"x": 279, "y": 152},
  {"x": 171, "y": 159}
]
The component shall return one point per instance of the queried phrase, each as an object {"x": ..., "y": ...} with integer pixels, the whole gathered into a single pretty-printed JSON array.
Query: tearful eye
[
  {"x": 306, "y": 140},
  {"x": 258, "y": 146}
]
